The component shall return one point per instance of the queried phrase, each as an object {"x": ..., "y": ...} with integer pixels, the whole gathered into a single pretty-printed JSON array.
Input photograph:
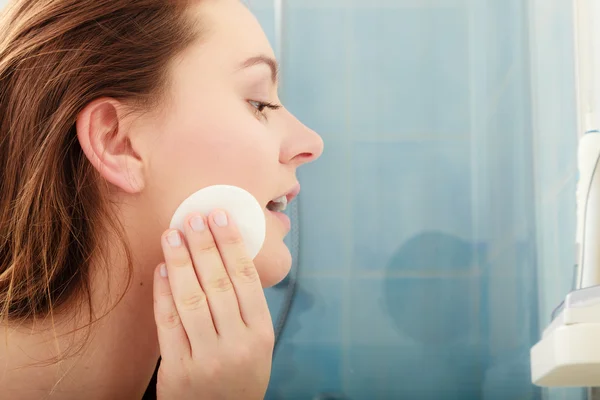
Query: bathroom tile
[
  {"x": 503, "y": 37},
  {"x": 408, "y": 193},
  {"x": 436, "y": 312},
  {"x": 551, "y": 273},
  {"x": 566, "y": 225},
  {"x": 555, "y": 108},
  {"x": 315, "y": 316},
  {"x": 527, "y": 284},
  {"x": 314, "y": 83},
  {"x": 509, "y": 314},
  {"x": 436, "y": 297},
  {"x": 554, "y": 104},
  {"x": 507, "y": 155},
  {"x": 384, "y": 372},
  {"x": 325, "y": 209},
  {"x": 509, "y": 117},
  {"x": 410, "y": 72},
  {"x": 557, "y": 248},
  {"x": 565, "y": 394},
  {"x": 433, "y": 252},
  {"x": 558, "y": 158},
  {"x": 509, "y": 377},
  {"x": 555, "y": 154},
  {"x": 303, "y": 371},
  {"x": 369, "y": 319}
]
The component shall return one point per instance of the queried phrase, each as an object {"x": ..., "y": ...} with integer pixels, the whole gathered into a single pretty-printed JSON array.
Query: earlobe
[{"x": 104, "y": 136}]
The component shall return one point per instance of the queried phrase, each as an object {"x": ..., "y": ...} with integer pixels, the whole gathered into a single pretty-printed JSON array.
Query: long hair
[{"x": 56, "y": 56}]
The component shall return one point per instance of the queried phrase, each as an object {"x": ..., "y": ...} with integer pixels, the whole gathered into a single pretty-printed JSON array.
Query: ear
[{"x": 105, "y": 139}]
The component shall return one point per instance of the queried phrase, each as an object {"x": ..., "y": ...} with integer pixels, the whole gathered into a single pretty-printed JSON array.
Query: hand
[{"x": 214, "y": 327}]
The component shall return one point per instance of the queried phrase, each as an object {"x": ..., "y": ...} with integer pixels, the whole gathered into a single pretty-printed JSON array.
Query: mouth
[{"x": 279, "y": 204}]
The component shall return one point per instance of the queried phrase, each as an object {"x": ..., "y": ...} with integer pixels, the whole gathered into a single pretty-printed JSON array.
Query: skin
[
  {"x": 218, "y": 329},
  {"x": 209, "y": 130}
]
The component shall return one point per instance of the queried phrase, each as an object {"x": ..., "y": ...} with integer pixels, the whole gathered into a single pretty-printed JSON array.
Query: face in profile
[{"x": 223, "y": 124}]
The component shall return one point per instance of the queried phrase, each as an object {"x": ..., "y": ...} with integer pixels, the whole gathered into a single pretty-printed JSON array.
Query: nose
[{"x": 302, "y": 145}]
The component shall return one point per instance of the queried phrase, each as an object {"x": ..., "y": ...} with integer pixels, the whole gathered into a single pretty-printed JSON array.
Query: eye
[{"x": 260, "y": 106}]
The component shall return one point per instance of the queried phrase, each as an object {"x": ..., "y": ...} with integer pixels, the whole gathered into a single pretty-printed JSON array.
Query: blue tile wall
[
  {"x": 303, "y": 369},
  {"x": 390, "y": 182},
  {"x": 384, "y": 44},
  {"x": 326, "y": 211},
  {"x": 429, "y": 313},
  {"x": 315, "y": 63},
  {"x": 317, "y": 315},
  {"x": 445, "y": 186},
  {"x": 380, "y": 371},
  {"x": 555, "y": 153}
]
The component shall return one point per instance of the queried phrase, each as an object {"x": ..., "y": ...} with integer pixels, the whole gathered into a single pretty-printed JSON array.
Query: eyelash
[{"x": 260, "y": 106}]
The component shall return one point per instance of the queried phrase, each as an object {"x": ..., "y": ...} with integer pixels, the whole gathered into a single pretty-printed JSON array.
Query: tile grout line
[
  {"x": 475, "y": 126},
  {"x": 379, "y": 274},
  {"x": 346, "y": 289}
]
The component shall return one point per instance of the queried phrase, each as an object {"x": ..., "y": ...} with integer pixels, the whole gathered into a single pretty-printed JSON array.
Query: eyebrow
[{"x": 268, "y": 61}]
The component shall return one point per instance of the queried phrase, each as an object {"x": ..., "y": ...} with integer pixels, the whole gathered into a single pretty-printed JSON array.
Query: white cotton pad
[{"x": 241, "y": 206}]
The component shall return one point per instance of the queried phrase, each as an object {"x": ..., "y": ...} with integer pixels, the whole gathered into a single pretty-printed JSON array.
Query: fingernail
[
  {"x": 163, "y": 271},
  {"x": 197, "y": 224},
  {"x": 220, "y": 219},
  {"x": 174, "y": 239}
]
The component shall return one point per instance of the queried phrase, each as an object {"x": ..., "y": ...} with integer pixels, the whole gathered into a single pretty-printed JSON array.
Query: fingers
[
  {"x": 212, "y": 274},
  {"x": 212, "y": 290},
  {"x": 189, "y": 298},
  {"x": 242, "y": 272},
  {"x": 172, "y": 338}
]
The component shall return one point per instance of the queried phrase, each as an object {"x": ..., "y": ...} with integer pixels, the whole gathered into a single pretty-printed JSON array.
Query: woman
[{"x": 111, "y": 113}]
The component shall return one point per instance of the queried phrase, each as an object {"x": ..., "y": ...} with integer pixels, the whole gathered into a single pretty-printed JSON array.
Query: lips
[
  {"x": 293, "y": 193},
  {"x": 280, "y": 203}
]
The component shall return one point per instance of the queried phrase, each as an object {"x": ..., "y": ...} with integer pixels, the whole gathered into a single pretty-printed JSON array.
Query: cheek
[
  {"x": 233, "y": 151},
  {"x": 218, "y": 156},
  {"x": 191, "y": 156}
]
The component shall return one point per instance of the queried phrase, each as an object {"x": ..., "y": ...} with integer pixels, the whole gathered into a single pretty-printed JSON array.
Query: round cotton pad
[{"x": 241, "y": 206}]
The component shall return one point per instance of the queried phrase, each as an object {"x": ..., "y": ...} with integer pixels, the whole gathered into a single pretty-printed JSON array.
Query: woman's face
[{"x": 217, "y": 128}]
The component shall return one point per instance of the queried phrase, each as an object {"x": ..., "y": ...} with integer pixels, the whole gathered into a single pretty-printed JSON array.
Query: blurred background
[
  {"x": 436, "y": 232},
  {"x": 435, "y": 235}
]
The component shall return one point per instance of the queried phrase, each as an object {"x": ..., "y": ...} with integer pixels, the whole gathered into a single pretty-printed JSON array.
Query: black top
[{"x": 151, "y": 390}]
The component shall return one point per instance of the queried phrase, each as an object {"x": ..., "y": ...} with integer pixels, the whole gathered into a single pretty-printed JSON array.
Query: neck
[{"x": 114, "y": 358}]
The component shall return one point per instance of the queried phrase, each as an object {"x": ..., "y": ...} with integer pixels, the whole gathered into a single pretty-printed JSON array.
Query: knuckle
[
  {"x": 246, "y": 270},
  {"x": 222, "y": 284},
  {"x": 193, "y": 301},
  {"x": 232, "y": 238},
  {"x": 207, "y": 245},
  {"x": 183, "y": 261},
  {"x": 170, "y": 320},
  {"x": 182, "y": 265}
]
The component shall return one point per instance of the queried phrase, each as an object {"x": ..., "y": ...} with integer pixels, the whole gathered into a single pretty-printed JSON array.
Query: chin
[{"x": 273, "y": 263}]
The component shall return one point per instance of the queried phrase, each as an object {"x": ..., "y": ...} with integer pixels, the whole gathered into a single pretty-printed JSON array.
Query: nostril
[
  {"x": 300, "y": 159},
  {"x": 305, "y": 158}
]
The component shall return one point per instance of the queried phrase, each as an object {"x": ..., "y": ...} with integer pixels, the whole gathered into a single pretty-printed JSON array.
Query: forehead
[
  {"x": 209, "y": 68},
  {"x": 230, "y": 30}
]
